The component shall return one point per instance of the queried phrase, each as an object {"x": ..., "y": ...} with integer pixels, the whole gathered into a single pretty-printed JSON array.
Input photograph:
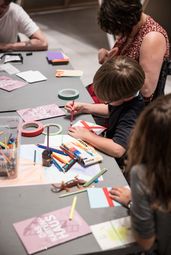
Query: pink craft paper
[
  {"x": 41, "y": 112},
  {"x": 8, "y": 84},
  {"x": 50, "y": 229}
]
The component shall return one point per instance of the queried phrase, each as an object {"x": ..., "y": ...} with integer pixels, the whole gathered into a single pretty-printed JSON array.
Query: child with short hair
[
  {"x": 149, "y": 168},
  {"x": 117, "y": 83}
]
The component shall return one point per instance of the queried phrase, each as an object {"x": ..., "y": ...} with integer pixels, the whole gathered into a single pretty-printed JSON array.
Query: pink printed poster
[
  {"x": 41, "y": 112},
  {"x": 50, "y": 229}
]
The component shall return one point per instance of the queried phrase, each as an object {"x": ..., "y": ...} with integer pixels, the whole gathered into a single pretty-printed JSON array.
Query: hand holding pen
[{"x": 77, "y": 107}]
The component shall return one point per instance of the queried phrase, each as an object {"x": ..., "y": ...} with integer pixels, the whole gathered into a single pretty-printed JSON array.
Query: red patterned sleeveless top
[{"x": 132, "y": 50}]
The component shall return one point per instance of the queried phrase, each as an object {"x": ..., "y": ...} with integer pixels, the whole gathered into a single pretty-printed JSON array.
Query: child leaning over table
[
  {"x": 117, "y": 83},
  {"x": 149, "y": 171}
]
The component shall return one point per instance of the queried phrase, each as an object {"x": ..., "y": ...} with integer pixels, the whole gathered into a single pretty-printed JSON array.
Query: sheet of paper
[
  {"x": 113, "y": 234},
  {"x": 30, "y": 174},
  {"x": 9, "y": 84},
  {"x": 50, "y": 229},
  {"x": 99, "y": 198},
  {"x": 32, "y": 76},
  {"x": 91, "y": 126},
  {"x": 11, "y": 58},
  {"x": 9, "y": 68},
  {"x": 41, "y": 112}
]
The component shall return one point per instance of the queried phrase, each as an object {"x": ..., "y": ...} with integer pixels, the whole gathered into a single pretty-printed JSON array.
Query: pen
[
  {"x": 83, "y": 147},
  {"x": 72, "y": 115},
  {"x": 59, "y": 158},
  {"x": 57, "y": 165},
  {"x": 68, "y": 153},
  {"x": 52, "y": 149},
  {"x": 69, "y": 165},
  {"x": 73, "y": 208}
]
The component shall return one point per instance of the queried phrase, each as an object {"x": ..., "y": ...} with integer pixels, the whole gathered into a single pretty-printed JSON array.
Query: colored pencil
[
  {"x": 35, "y": 157},
  {"x": 73, "y": 208},
  {"x": 94, "y": 177},
  {"x": 72, "y": 193}
]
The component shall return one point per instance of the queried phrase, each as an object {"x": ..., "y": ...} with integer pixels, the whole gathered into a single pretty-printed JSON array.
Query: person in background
[
  {"x": 117, "y": 84},
  {"x": 149, "y": 168},
  {"x": 14, "y": 20},
  {"x": 137, "y": 36}
]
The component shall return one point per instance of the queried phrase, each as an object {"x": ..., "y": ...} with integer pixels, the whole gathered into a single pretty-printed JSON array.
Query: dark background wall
[
  {"x": 160, "y": 10},
  {"x": 42, "y": 5}
]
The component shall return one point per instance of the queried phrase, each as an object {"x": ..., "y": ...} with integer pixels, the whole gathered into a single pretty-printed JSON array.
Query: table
[
  {"x": 20, "y": 203},
  {"x": 45, "y": 92}
]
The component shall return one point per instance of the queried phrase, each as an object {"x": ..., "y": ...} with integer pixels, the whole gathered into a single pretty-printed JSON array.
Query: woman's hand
[
  {"x": 121, "y": 194},
  {"x": 104, "y": 55}
]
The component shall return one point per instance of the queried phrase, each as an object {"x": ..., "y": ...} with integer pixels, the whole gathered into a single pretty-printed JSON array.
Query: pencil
[
  {"x": 73, "y": 208},
  {"x": 72, "y": 193},
  {"x": 35, "y": 157},
  {"x": 72, "y": 115},
  {"x": 94, "y": 177}
]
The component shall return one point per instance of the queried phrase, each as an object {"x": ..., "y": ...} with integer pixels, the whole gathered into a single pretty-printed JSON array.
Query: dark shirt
[{"x": 122, "y": 119}]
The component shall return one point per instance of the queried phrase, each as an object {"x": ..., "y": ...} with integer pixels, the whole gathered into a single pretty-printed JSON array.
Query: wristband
[{"x": 129, "y": 204}]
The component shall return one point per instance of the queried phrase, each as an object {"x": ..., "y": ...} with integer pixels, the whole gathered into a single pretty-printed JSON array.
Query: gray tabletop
[
  {"x": 45, "y": 92},
  {"x": 20, "y": 203}
]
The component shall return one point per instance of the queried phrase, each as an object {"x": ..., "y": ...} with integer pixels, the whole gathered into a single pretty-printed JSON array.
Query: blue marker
[
  {"x": 57, "y": 165},
  {"x": 52, "y": 149}
]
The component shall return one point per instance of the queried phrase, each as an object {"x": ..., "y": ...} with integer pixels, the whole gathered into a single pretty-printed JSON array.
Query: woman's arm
[{"x": 152, "y": 53}]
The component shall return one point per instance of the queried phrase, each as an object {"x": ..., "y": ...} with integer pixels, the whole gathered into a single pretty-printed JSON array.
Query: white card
[
  {"x": 74, "y": 73},
  {"x": 32, "y": 76}
]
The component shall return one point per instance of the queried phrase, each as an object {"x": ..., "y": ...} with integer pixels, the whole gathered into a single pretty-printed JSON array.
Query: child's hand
[
  {"x": 121, "y": 195},
  {"x": 77, "y": 107},
  {"x": 79, "y": 132}
]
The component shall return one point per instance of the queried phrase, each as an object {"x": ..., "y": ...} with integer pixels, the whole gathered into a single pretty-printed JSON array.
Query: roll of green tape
[{"x": 68, "y": 94}]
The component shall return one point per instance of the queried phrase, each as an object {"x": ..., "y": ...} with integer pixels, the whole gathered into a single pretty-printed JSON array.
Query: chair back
[{"x": 165, "y": 71}]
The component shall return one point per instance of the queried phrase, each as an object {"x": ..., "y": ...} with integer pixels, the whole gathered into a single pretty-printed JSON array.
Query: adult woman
[
  {"x": 149, "y": 166},
  {"x": 137, "y": 36}
]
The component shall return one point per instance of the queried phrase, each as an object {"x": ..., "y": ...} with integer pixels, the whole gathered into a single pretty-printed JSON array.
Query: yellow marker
[{"x": 73, "y": 208}]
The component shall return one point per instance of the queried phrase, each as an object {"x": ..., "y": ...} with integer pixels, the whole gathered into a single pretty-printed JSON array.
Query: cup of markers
[{"x": 9, "y": 146}]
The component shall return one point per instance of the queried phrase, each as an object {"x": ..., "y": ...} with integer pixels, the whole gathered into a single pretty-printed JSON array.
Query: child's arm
[
  {"x": 105, "y": 145},
  {"x": 96, "y": 109}
]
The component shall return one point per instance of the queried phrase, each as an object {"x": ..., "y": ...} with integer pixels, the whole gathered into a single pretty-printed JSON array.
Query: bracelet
[{"x": 129, "y": 204}]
